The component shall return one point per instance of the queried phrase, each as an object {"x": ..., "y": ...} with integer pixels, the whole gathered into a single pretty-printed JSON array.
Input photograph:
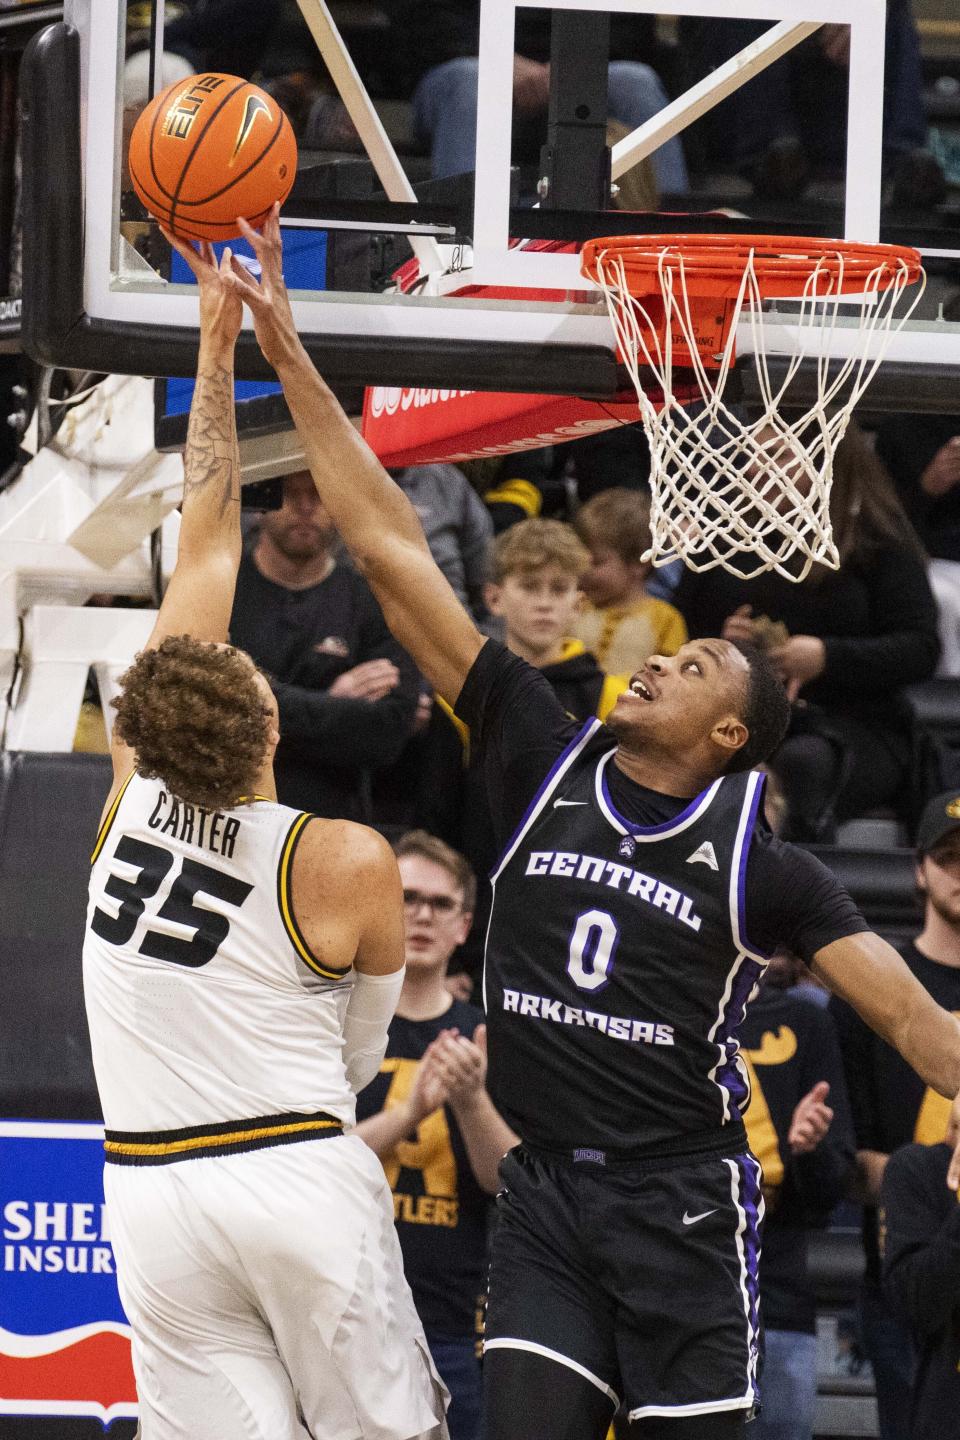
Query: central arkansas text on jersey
[{"x": 617, "y": 969}]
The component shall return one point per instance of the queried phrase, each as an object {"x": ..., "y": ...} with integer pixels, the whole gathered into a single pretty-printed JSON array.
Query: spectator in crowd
[
  {"x": 535, "y": 591},
  {"x": 845, "y": 641},
  {"x": 920, "y": 1241},
  {"x": 538, "y": 569},
  {"x": 800, "y": 1129},
  {"x": 922, "y": 453},
  {"x": 438, "y": 44},
  {"x": 457, "y": 525},
  {"x": 459, "y": 532},
  {"x": 891, "y": 1106},
  {"x": 623, "y": 625},
  {"x": 792, "y": 117},
  {"x": 429, "y": 1118},
  {"x": 346, "y": 691}
]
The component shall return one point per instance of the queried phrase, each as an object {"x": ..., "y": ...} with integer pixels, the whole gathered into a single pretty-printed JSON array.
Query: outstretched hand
[
  {"x": 221, "y": 304},
  {"x": 268, "y": 299}
]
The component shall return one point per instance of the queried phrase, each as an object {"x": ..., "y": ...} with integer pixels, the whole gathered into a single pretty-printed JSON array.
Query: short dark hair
[{"x": 766, "y": 712}]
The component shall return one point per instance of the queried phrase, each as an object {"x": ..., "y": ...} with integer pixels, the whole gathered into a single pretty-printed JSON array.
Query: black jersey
[
  {"x": 440, "y": 1210},
  {"x": 628, "y": 929},
  {"x": 617, "y": 969},
  {"x": 921, "y": 1272},
  {"x": 891, "y": 1104}
]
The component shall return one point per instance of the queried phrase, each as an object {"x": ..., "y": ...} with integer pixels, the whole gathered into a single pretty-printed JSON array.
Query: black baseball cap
[{"x": 941, "y": 816}]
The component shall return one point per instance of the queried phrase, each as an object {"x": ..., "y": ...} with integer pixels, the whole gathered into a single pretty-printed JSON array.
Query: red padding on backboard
[{"x": 418, "y": 427}]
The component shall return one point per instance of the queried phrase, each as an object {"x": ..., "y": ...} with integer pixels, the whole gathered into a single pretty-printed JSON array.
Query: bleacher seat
[
  {"x": 49, "y": 811},
  {"x": 883, "y": 884},
  {"x": 934, "y": 711}
]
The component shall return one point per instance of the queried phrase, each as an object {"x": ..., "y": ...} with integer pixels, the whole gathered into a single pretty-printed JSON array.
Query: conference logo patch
[{"x": 64, "y": 1339}]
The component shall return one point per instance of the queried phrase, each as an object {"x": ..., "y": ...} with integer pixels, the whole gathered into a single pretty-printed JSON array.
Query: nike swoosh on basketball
[
  {"x": 254, "y": 107},
  {"x": 568, "y": 802},
  {"x": 692, "y": 1219}
]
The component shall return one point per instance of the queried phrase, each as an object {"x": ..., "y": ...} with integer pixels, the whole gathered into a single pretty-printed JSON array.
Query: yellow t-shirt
[{"x": 623, "y": 637}]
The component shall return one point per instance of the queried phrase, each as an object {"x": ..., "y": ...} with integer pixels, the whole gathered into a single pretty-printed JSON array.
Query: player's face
[
  {"x": 434, "y": 917},
  {"x": 610, "y": 580},
  {"x": 301, "y": 528},
  {"x": 538, "y": 607},
  {"x": 940, "y": 878},
  {"x": 677, "y": 700}
]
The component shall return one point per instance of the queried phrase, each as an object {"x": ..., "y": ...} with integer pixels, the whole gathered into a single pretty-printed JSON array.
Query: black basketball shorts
[{"x": 641, "y": 1277}]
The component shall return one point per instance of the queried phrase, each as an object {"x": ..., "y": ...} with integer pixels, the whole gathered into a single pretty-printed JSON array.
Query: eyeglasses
[{"x": 439, "y": 904}]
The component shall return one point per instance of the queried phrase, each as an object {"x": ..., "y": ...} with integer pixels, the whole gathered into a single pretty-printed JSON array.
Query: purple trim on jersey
[
  {"x": 730, "y": 1076},
  {"x": 749, "y": 1195},
  {"x": 540, "y": 792},
  {"x": 631, "y": 827},
  {"x": 742, "y": 869}
]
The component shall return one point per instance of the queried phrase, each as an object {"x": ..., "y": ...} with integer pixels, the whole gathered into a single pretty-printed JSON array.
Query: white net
[{"x": 749, "y": 495}]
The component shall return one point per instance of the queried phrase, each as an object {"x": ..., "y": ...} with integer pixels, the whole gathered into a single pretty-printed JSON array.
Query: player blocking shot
[
  {"x": 637, "y": 901},
  {"x": 242, "y": 961}
]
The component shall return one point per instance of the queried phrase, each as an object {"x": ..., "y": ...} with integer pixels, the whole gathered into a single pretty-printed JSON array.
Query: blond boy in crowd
[
  {"x": 538, "y": 567},
  {"x": 622, "y": 625}
]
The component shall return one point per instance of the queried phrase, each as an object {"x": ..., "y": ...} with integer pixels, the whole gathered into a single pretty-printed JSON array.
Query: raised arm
[
  {"x": 199, "y": 597},
  {"x": 869, "y": 974},
  {"x": 375, "y": 519}
]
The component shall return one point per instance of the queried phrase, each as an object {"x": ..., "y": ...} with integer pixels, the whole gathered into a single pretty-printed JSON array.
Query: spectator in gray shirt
[{"x": 457, "y": 526}]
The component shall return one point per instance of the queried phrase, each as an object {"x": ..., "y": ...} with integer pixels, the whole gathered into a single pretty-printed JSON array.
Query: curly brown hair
[{"x": 195, "y": 718}]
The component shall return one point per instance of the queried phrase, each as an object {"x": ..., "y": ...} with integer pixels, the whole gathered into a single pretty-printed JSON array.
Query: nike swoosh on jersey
[
  {"x": 568, "y": 802},
  {"x": 689, "y": 1219}
]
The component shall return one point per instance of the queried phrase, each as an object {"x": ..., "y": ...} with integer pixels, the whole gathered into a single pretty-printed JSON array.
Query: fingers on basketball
[{"x": 240, "y": 159}]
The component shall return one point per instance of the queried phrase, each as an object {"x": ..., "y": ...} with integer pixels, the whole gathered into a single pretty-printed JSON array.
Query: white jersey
[{"x": 205, "y": 1003}]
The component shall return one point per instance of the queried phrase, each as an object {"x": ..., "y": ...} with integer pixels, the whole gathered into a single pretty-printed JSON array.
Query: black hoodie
[{"x": 920, "y": 1249}]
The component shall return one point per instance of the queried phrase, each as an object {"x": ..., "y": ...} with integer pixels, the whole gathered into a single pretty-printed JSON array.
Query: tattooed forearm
[{"x": 212, "y": 460}]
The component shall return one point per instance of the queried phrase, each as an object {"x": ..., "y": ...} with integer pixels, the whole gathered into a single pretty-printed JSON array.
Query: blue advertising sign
[{"x": 64, "y": 1339}]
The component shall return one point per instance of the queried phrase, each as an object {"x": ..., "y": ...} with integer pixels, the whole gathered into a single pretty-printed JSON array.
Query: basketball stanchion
[
  {"x": 747, "y": 494},
  {"x": 209, "y": 149}
]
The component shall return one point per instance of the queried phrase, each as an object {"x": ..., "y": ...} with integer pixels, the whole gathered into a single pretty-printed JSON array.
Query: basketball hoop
[{"x": 749, "y": 496}]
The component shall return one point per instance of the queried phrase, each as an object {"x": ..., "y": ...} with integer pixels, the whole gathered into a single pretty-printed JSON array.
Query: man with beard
[
  {"x": 637, "y": 901},
  {"x": 892, "y": 1106},
  {"x": 346, "y": 691}
]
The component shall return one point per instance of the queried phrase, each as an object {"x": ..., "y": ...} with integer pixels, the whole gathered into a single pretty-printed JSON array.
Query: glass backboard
[{"x": 616, "y": 105}]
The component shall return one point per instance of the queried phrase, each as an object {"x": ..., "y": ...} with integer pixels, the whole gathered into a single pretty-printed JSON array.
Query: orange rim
[{"x": 783, "y": 264}]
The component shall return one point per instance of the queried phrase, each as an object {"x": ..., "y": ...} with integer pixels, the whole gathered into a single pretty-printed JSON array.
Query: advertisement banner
[
  {"x": 64, "y": 1339},
  {"x": 418, "y": 427}
]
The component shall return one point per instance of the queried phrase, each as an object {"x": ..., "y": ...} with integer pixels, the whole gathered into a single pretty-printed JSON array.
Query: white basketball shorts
[{"x": 267, "y": 1298}]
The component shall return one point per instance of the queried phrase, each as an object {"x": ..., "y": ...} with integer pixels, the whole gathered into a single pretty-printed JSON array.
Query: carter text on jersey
[
  {"x": 190, "y": 823},
  {"x": 569, "y": 866}
]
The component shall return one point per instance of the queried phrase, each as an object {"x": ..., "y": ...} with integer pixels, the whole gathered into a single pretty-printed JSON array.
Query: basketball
[{"x": 208, "y": 150}]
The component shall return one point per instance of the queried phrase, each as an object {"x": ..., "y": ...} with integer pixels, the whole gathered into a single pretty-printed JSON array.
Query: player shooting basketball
[
  {"x": 636, "y": 903},
  {"x": 241, "y": 964}
]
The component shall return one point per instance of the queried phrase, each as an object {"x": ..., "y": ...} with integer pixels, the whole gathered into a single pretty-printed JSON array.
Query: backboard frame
[{"x": 91, "y": 317}]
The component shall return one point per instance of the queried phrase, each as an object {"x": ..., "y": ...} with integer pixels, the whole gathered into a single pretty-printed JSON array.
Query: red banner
[{"x": 417, "y": 427}]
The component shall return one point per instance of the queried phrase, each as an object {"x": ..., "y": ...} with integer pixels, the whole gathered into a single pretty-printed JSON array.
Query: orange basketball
[{"x": 209, "y": 149}]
